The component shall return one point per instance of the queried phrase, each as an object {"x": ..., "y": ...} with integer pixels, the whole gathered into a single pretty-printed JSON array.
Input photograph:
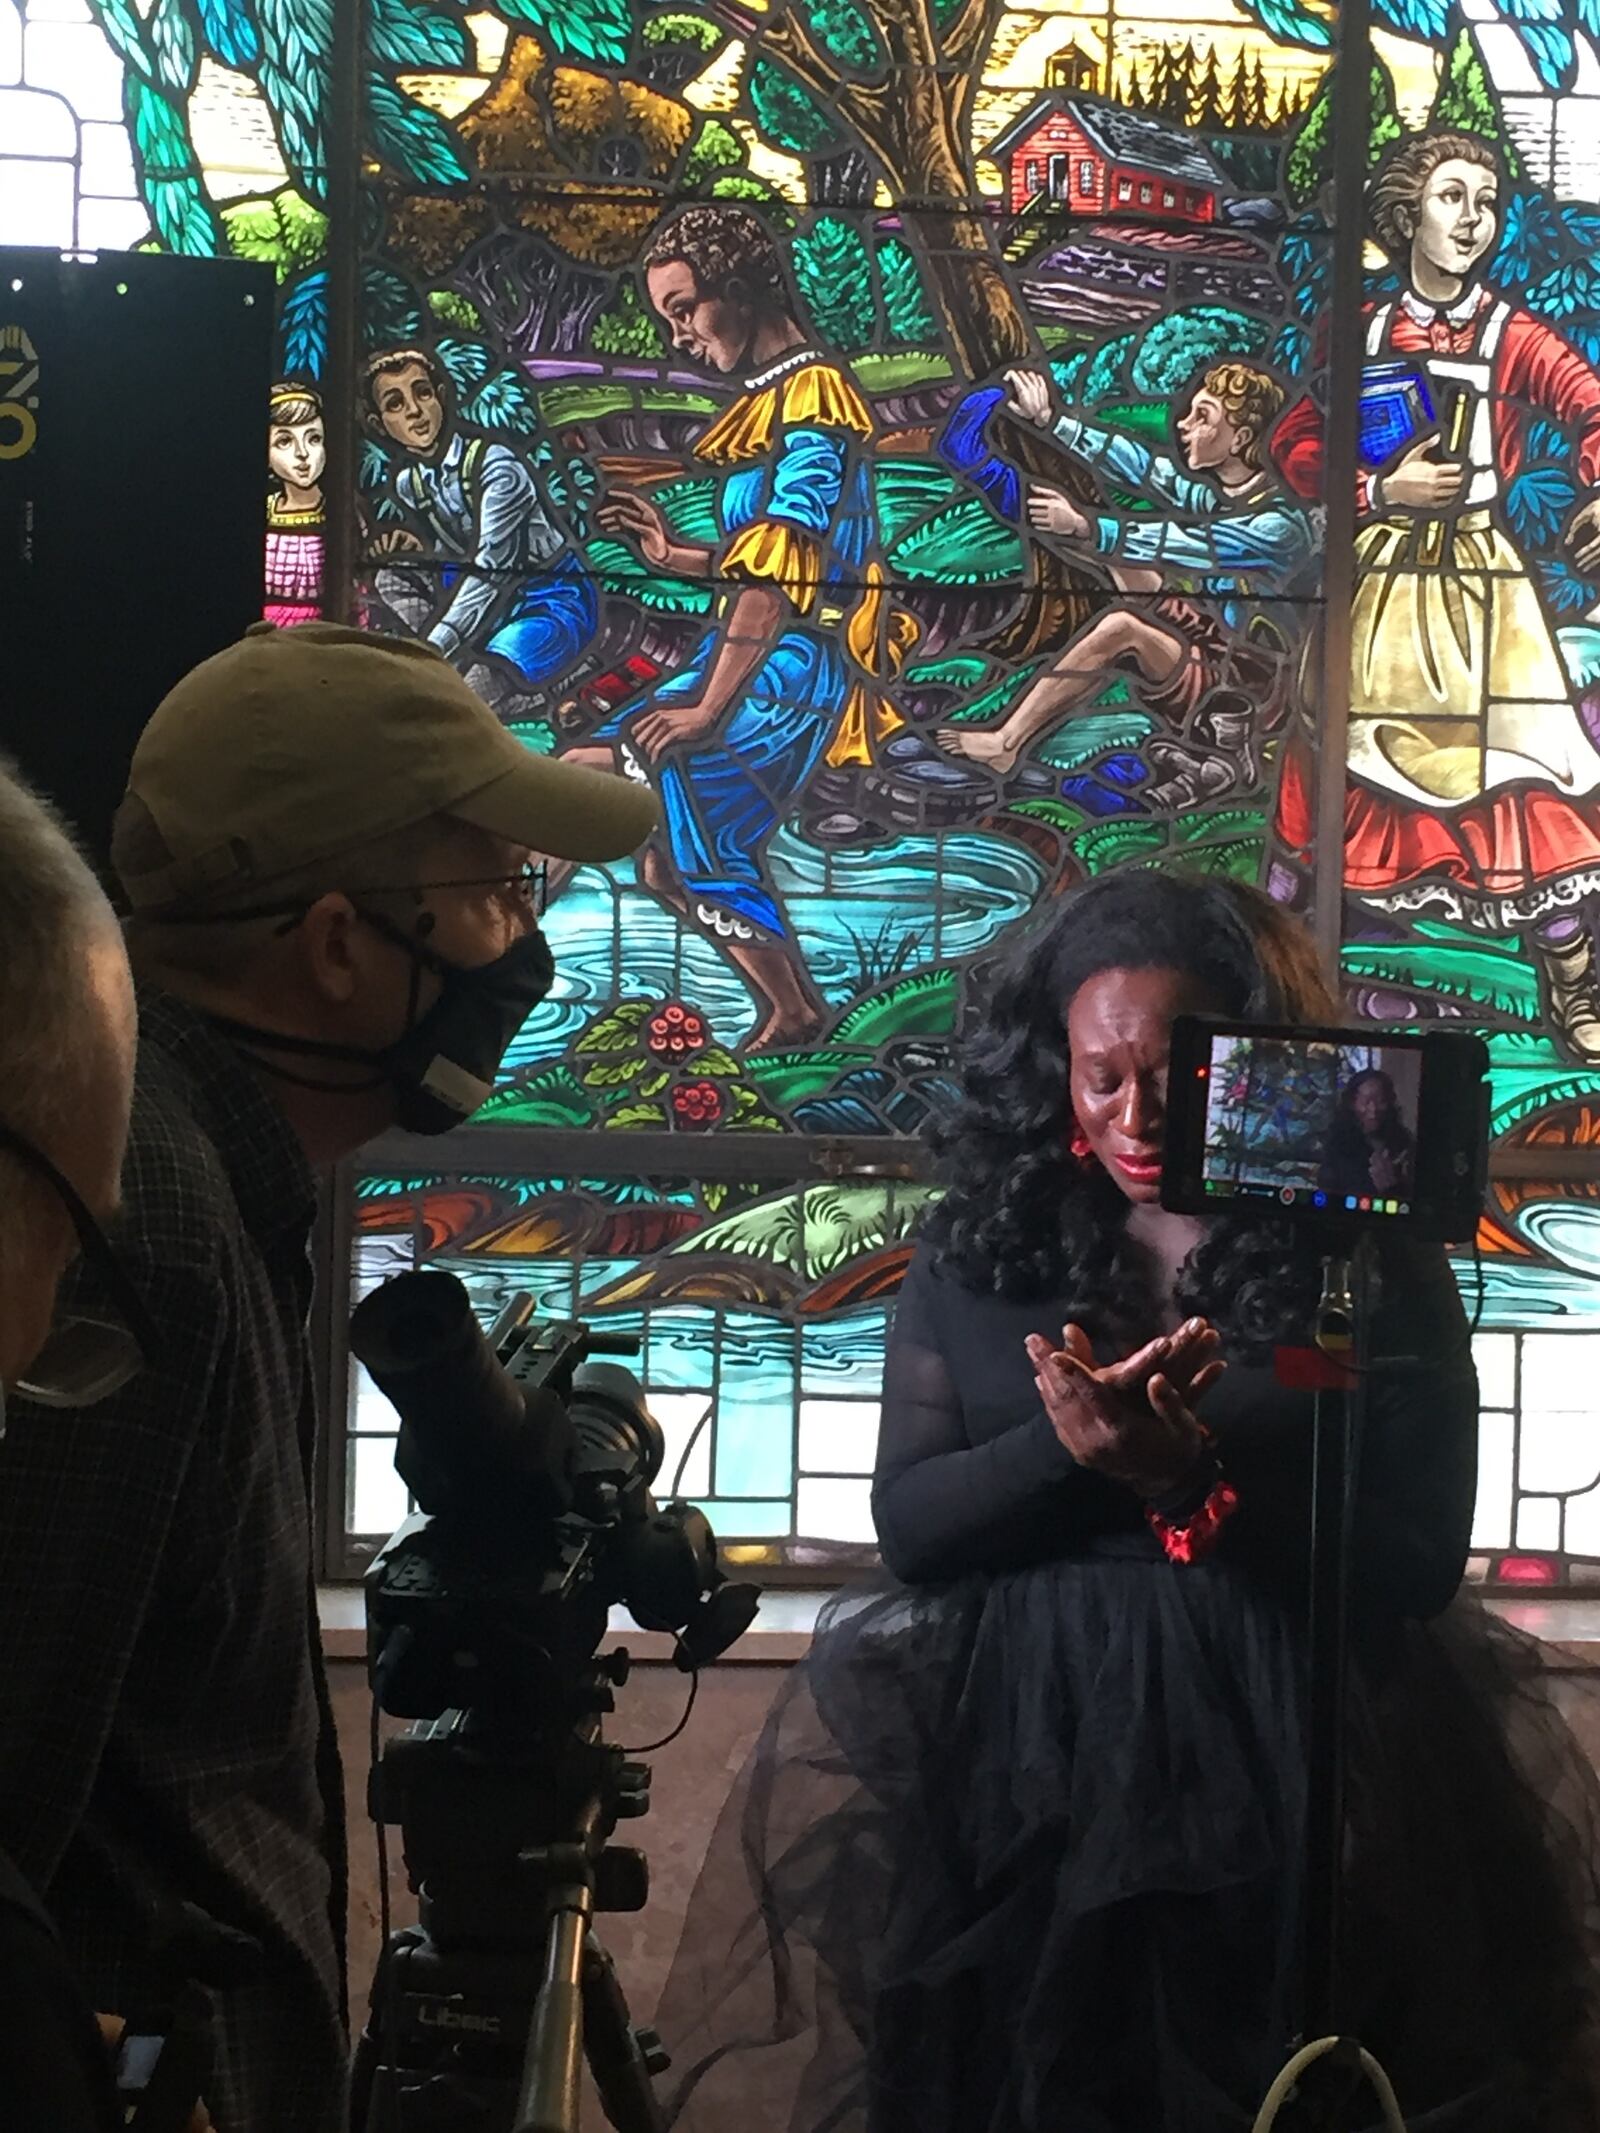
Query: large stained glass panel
[
  {"x": 814, "y": 453},
  {"x": 1472, "y": 822},
  {"x": 893, "y": 430},
  {"x": 834, "y": 416}
]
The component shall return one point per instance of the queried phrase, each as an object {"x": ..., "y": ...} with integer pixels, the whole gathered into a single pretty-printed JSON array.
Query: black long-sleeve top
[{"x": 971, "y": 1477}]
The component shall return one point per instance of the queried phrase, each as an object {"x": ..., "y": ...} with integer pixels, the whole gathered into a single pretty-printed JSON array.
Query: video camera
[{"x": 531, "y": 1465}]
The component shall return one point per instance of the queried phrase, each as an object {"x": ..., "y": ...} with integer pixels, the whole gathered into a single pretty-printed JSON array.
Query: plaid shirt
[{"x": 167, "y": 1759}]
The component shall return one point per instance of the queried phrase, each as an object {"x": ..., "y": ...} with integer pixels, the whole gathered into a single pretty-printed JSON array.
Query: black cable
[
  {"x": 666, "y": 1740},
  {"x": 391, "y": 2011},
  {"x": 1483, "y": 1287},
  {"x": 382, "y": 1835},
  {"x": 694, "y": 1439}
]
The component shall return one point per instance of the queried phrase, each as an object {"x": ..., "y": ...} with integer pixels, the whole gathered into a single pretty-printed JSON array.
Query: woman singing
[
  {"x": 1370, "y": 1150},
  {"x": 1018, "y": 1850}
]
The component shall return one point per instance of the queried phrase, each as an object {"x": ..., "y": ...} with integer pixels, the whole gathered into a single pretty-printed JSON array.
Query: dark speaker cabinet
[{"x": 133, "y": 419}]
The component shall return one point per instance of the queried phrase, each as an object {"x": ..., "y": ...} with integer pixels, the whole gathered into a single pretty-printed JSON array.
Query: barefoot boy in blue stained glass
[
  {"x": 791, "y": 674},
  {"x": 1225, "y": 527}
]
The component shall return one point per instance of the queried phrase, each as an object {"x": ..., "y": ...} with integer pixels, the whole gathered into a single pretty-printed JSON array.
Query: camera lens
[{"x": 616, "y": 1431}]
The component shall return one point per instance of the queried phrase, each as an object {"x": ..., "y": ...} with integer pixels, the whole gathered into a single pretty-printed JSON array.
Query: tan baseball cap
[{"x": 296, "y": 745}]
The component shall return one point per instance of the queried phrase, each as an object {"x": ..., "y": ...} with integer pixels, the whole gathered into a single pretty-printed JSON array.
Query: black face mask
[{"x": 443, "y": 1068}]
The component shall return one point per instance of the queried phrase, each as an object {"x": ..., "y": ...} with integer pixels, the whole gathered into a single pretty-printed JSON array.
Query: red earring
[{"x": 1079, "y": 1147}]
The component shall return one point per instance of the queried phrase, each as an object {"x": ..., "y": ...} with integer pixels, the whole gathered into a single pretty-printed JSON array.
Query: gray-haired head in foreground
[{"x": 53, "y": 916}]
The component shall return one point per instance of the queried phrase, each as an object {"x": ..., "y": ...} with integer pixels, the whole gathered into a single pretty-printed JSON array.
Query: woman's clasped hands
[{"x": 1132, "y": 1420}]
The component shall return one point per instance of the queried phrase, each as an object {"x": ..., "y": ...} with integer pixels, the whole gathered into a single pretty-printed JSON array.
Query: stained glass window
[
  {"x": 894, "y": 430},
  {"x": 67, "y": 175},
  {"x": 759, "y": 1314}
]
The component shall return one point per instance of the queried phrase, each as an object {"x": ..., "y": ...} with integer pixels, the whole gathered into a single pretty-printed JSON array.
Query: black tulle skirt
[{"x": 1021, "y": 1855}]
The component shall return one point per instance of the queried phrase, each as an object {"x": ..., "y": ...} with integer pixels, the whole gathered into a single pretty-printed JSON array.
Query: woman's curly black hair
[{"x": 1020, "y": 1216}]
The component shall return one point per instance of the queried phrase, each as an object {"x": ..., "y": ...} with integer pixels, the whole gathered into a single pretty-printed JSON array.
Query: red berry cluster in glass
[
  {"x": 697, "y": 1103},
  {"x": 676, "y": 1033}
]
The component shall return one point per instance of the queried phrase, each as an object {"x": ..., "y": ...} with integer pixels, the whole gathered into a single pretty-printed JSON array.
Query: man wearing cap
[{"x": 325, "y": 845}]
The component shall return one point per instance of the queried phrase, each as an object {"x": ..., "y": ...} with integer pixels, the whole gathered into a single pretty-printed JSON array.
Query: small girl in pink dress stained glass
[{"x": 297, "y": 456}]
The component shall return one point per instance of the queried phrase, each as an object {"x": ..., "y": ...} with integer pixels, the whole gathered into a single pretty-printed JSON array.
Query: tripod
[
  {"x": 1329, "y": 2068},
  {"x": 483, "y": 2012}
]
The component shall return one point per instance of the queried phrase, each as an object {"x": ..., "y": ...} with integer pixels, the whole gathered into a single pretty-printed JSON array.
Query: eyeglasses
[
  {"x": 527, "y": 885},
  {"x": 88, "y": 1355}
]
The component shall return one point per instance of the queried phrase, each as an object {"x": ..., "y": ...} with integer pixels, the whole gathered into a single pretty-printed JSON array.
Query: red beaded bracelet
[{"x": 1196, "y": 1536}]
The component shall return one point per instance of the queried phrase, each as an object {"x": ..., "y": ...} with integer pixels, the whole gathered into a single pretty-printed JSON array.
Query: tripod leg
[
  {"x": 621, "y": 2058},
  {"x": 548, "y": 2099}
]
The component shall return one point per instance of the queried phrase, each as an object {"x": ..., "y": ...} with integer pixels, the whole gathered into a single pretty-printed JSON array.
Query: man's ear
[{"x": 330, "y": 948}]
